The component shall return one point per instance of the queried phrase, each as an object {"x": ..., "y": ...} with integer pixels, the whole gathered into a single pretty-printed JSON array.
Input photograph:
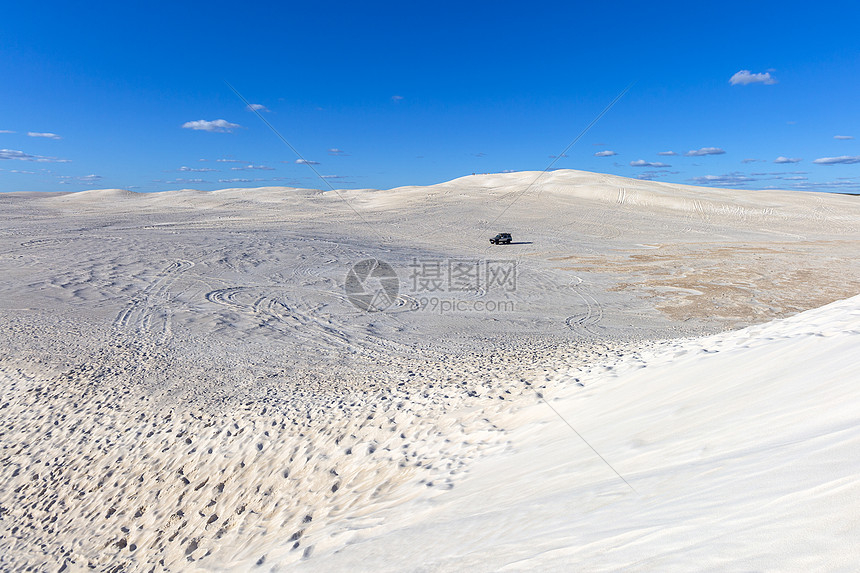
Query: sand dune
[
  {"x": 741, "y": 448},
  {"x": 187, "y": 384}
]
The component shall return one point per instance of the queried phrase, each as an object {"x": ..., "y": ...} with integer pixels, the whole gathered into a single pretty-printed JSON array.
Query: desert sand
[{"x": 188, "y": 383}]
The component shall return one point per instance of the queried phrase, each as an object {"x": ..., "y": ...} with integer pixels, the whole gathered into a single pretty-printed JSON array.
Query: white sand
[
  {"x": 186, "y": 386},
  {"x": 742, "y": 449}
]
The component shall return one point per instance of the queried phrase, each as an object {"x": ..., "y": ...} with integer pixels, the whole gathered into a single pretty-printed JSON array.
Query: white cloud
[
  {"x": 668, "y": 153},
  {"x": 843, "y": 137},
  {"x": 214, "y": 126},
  {"x": 605, "y": 153},
  {"x": 704, "y": 151},
  {"x": 656, "y": 174},
  {"x": 843, "y": 186},
  {"x": 777, "y": 174},
  {"x": 257, "y": 107},
  {"x": 307, "y": 162},
  {"x": 846, "y": 159},
  {"x": 643, "y": 163},
  {"x": 195, "y": 169},
  {"x": 46, "y": 135},
  {"x": 21, "y": 156},
  {"x": 228, "y": 160},
  {"x": 396, "y": 98},
  {"x": 6, "y": 131},
  {"x": 782, "y": 159},
  {"x": 744, "y": 77},
  {"x": 180, "y": 181},
  {"x": 751, "y": 160},
  {"x": 14, "y": 154},
  {"x": 728, "y": 179},
  {"x": 91, "y": 179},
  {"x": 252, "y": 167},
  {"x": 235, "y": 180},
  {"x": 336, "y": 151}
]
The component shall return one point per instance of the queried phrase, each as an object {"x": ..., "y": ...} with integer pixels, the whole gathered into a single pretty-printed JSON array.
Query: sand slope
[{"x": 741, "y": 448}]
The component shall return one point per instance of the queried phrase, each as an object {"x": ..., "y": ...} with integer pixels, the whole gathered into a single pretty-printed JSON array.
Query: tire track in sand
[
  {"x": 146, "y": 312},
  {"x": 586, "y": 323}
]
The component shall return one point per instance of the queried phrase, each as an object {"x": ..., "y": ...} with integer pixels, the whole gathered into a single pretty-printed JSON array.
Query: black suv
[{"x": 502, "y": 239}]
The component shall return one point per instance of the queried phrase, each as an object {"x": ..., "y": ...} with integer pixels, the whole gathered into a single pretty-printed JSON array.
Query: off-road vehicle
[{"x": 502, "y": 239}]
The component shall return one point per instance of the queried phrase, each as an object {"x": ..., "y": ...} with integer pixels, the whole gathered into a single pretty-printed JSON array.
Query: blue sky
[{"x": 394, "y": 93}]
